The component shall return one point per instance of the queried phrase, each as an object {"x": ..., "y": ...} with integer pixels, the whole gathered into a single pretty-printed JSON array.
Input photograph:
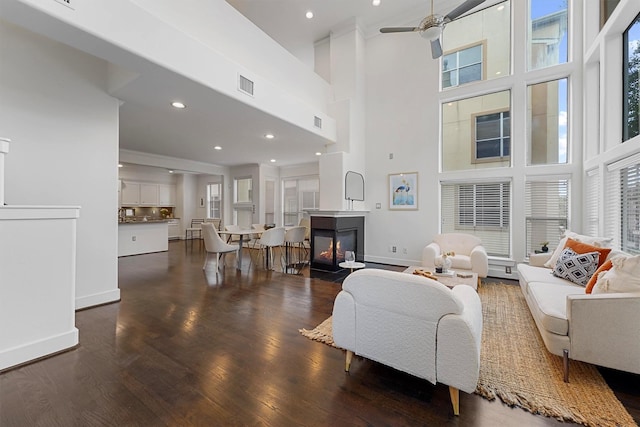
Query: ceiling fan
[{"x": 432, "y": 26}]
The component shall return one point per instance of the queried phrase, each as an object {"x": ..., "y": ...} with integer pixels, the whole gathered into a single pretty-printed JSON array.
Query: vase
[{"x": 446, "y": 264}]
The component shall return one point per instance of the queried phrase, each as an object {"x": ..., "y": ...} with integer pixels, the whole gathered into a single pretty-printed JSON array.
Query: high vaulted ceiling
[{"x": 148, "y": 124}]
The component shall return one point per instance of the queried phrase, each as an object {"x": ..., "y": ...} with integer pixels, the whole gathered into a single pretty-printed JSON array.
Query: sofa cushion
[
  {"x": 592, "y": 282},
  {"x": 530, "y": 274},
  {"x": 578, "y": 268},
  {"x": 601, "y": 242},
  {"x": 624, "y": 276},
  {"x": 583, "y": 248},
  {"x": 461, "y": 261},
  {"x": 548, "y": 304}
]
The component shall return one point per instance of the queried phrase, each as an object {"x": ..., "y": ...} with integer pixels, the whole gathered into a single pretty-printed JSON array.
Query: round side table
[{"x": 352, "y": 265}]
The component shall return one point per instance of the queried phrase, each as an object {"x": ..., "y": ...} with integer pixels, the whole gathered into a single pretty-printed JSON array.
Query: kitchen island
[{"x": 142, "y": 237}]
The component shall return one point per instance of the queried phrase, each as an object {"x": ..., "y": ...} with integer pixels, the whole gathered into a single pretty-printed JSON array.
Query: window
[
  {"x": 592, "y": 203},
  {"x": 631, "y": 81},
  {"x": 214, "y": 196},
  {"x": 492, "y": 134},
  {"x": 462, "y": 67},
  {"x": 547, "y": 123},
  {"x": 243, "y": 193},
  {"x": 299, "y": 195},
  {"x": 546, "y": 211},
  {"x": 477, "y": 46},
  {"x": 547, "y": 33},
  {"x": 476, "y": 132},
  {"x": 622, "y": 213},
  {"x": 482, "y": 209}
]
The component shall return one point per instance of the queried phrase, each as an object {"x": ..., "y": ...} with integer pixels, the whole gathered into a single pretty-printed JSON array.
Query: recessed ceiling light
[
  {"x": 376, "y": 2},
  {"x": 318, "y": 154},
  {"x": 309, "y": 14},
  {"x": 217, "y": 147},
  {"x": 170, "y": 170},
  {"x": 178, "y": 104},
  {"x": 498, "y": 73},
  {"x": 501, "y": 7},
  {"x": 120, "y": 165},
  {"x": 273, "y": 160},
  {"x": 269, "y": 136}
]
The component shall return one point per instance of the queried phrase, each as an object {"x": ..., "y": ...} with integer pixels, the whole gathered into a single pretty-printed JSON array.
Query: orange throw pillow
[
  {"x": 592, "y": 282},
  {"x": 583, "y": 248}
]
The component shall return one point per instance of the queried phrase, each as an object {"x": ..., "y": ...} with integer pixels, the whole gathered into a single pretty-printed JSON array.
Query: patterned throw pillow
[{"x": 577, "y": 268}]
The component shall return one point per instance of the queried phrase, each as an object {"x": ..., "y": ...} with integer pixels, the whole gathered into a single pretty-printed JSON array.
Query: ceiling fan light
[{"x": 432, "y": 33}]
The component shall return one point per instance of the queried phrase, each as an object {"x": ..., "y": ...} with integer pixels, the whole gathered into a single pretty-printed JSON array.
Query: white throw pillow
[
  {"x": 624, "y": 276},
  {"x": 602, "y": 242}
]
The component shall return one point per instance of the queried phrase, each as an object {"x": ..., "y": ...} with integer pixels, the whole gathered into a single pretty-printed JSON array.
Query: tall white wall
[
  {"x": 403, "y": 121},
  {"x": 64, "y": 127}
]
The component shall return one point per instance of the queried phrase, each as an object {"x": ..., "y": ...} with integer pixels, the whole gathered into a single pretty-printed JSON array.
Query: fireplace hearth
[{"x": 332, "y": 236}]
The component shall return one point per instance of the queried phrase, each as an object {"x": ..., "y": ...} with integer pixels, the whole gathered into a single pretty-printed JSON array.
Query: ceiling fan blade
[
  {"x": 397, "y": 29},
  {"x": 462, "y": 9},
  {"x": 436, "y": 48}
]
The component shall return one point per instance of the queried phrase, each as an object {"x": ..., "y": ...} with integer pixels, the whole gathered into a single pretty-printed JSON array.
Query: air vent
[
  {"x": 245, "y": 85},
  {"x": 317, "y": 122}
]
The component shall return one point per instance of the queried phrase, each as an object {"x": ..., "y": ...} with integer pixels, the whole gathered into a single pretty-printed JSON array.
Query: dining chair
[
  {"x": 215, "y": 221},
  {"x": 213, "y": 244},
  {"x": 196, "y": 224},
  {"x": 294, "y": 244},
  {"x": 270, "y": 239}
]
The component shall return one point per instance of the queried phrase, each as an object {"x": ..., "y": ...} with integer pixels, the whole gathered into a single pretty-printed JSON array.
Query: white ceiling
[{"x": 147, "y": 122}]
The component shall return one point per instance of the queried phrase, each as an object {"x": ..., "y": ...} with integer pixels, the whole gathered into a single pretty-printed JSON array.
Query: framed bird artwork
[{"x": 403, "y": 191}]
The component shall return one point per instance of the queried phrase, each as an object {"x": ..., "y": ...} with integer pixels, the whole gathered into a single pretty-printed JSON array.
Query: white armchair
[
  {"x": 469, "y": 252},
  {"x": 413, "y": 324}
]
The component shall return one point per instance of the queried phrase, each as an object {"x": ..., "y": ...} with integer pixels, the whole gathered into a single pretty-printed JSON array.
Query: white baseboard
[
  {"x": 38, "y": 349},
  {"x": 98, "y": 299}
]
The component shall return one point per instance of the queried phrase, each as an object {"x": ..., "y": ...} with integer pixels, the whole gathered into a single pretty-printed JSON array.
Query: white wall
[
  {"x": 64, "y": 127},
  {"x": 139, "y": 173},
  {"x": 402, "y": 120}
]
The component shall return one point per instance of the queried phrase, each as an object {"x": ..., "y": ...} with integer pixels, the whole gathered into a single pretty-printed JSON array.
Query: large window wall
[
  {"x": 508, "y": 155},
  {"x": 612, "y": 141}
]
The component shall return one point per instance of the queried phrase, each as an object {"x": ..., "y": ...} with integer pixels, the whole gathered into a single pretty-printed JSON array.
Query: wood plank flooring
[{"x": 191, "y": 348}]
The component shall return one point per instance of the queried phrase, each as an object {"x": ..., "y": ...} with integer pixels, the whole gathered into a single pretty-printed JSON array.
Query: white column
[{"x": 4, "y": 149}]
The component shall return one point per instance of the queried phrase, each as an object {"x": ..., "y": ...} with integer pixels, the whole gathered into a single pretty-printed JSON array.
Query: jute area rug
[{"x": 516, "y": 367}]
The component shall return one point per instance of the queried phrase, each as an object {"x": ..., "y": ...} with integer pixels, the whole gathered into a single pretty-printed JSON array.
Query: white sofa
[
  {"x": 413, "y": 324},
  {"x": 469, "y": 253},
  {"x": 602, "y": 328}
]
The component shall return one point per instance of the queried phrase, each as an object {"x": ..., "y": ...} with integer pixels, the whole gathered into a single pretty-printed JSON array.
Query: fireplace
[{"x": 332, "y": 236}]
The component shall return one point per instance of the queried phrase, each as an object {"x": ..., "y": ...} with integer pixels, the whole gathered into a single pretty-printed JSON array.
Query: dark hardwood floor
[{"x": 185, "y": 347}]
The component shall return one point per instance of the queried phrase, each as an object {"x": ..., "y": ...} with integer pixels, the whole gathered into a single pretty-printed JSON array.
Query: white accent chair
[
  {"x": 470, "y": 255},
  {"x": 213, "y": 244},
  {"x": 413, "y": 324}
]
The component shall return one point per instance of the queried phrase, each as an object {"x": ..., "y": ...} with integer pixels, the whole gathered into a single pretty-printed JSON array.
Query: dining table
[{"x": 245, "y": 236}]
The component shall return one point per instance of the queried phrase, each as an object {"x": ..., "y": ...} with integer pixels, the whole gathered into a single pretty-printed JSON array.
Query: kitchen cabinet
[
  {"x": 148, "y": 194},
  {"x": 166, "y": 195},
  {"x": 142, "y": 237},
  {"x": 175, "y": 231},
  {"x": 130, "y": 193}
]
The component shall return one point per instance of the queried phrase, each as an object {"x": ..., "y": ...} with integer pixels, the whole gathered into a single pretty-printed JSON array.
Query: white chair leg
[{"x": 217, "y": 259}]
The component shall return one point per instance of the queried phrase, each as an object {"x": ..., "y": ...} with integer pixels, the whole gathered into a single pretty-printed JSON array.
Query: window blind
[
  {"x": 479, "y": 208},
  {"x": 592, "y": 202},
  {"x": 622, "y": 213},
  {"x": 546, "y": 211}
]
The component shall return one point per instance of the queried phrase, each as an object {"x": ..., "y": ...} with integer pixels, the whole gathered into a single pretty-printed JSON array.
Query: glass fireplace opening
[{"x": 329, "y": 247}]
